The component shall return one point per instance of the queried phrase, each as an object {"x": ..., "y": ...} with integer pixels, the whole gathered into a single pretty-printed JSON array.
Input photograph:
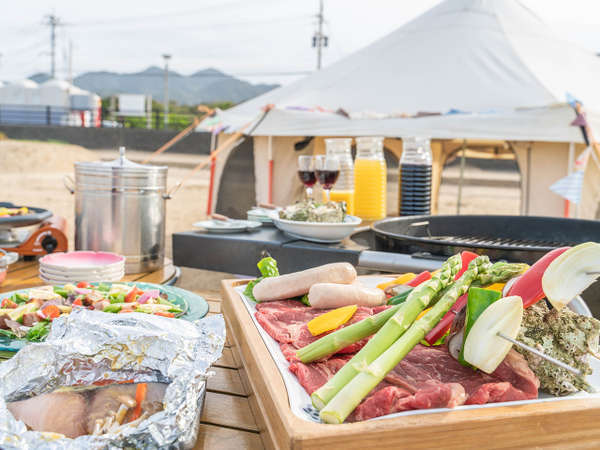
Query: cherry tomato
[
  {"x": 8, "y": 303},
  {"x": 51, "y": 312},
  {"x": 529, "y": 285},
  {"x": 78, "y": 302},
  {"x": 83, "y": 285}
]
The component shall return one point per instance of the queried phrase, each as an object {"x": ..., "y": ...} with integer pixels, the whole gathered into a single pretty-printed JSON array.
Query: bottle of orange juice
[
  {"x": 370, "y": 179},
  {"x": 343, "y": 189}
]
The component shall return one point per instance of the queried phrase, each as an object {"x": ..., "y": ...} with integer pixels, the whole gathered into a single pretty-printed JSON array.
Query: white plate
[
  {"x": 53, "y": 279},
  {"x": 301, "y": 405},
  {"x": 230, "y": 226},
  {"x": 80, "y": 272},
  {"x": 316, "y": 231},
  {"x": 261, "y": 214}
]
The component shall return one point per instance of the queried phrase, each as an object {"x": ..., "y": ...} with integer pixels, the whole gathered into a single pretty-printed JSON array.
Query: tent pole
[
  {"x": 211, "y": 183},
  {"x": 270, "y": 155},
  {"x": 461, "y": 177}
]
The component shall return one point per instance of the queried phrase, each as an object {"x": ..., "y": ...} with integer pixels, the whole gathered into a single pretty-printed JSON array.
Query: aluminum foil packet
[{"x": 88, "y": 347}]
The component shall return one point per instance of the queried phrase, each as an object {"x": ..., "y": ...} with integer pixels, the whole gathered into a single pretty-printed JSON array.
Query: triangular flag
[
  {"x": 582, "y": 159},
  {"x": 569, "y": 187},
  {"x": 579, "y": 121}
]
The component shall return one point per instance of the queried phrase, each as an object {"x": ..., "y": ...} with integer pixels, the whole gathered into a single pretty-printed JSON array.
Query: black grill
[{"x": 513, "y": 238}]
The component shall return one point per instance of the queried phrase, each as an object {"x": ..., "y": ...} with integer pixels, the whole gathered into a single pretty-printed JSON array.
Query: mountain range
[{"x": 204, "y": 86}]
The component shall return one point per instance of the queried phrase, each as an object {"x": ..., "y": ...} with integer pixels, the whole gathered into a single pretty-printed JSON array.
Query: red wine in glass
[
  {"x": 327, "y": 178},
  {"x": 307, "y": 177}
]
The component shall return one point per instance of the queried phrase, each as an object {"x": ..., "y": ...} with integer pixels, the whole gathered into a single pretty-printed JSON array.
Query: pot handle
[{"x": 69, "y": 183}]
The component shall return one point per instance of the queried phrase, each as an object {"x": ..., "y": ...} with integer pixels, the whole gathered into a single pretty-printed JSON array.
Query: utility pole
[
  {"x": 319, "y": 40},
  {"x": 52, "y": 22},
  {"x": 70, "y": 61},
  {"x": 166, "y": 56}
]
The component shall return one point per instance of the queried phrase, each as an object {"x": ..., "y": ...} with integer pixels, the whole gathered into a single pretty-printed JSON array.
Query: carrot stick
[{"x": 140, "y": 396}]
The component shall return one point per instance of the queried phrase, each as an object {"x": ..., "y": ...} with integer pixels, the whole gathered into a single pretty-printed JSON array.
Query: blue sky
[{"x": 259, "y": 40}]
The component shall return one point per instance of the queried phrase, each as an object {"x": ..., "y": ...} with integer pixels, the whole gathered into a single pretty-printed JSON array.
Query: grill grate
[
  {"x": 514, "y": 238},
  {"x": 492, "y": 242}
]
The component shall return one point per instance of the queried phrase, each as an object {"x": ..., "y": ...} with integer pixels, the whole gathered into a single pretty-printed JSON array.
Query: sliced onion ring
[{"x": 484, "y": 349}]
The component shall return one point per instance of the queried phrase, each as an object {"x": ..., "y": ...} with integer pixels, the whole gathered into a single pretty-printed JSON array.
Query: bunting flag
[
  {"x": 582, "y": 159},
  {"x": 570, "y": 187}
]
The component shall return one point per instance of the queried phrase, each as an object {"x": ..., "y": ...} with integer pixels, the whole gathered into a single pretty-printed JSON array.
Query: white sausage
[
  {"x": 298, "y": 283},
  {"x": 329, "y": 295}
]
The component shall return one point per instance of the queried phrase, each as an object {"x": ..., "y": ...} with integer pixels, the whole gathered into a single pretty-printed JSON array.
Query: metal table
[{"x": 238, "y": 253}]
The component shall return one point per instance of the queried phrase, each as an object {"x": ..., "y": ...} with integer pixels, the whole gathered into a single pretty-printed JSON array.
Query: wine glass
[
  {"x": 327, "y": 169},
  {"x": 306, "y": 172}
]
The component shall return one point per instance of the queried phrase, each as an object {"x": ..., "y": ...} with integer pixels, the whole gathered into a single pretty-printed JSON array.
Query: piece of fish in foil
[{"x": 88, "y": 347}]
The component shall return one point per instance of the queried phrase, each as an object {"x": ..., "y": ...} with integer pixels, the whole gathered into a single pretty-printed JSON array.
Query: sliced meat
[
  {"x": 285, "y": 321},
  {"x": 58, "y": 412},
  {"x": 3, "y": 319},
  {"x": 30, "y": 319},
  {"x": 313, "y": 376}
]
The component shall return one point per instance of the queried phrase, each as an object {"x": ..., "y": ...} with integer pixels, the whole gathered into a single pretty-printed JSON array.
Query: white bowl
[{"x": 326, "y": 233}]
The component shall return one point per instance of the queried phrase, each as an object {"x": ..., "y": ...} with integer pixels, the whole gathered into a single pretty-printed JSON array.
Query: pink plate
[{"x": 81, "y": 260}]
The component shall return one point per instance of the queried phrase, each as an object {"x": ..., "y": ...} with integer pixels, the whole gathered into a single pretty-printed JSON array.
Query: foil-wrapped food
[{"x": 109, "y": 381}]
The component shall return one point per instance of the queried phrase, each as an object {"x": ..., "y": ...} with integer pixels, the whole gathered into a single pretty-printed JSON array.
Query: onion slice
[
  {"x": 483, "y": 348},
  {"x": 569, "y": 275}
]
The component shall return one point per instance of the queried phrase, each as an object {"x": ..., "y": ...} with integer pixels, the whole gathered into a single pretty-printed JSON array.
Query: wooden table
[{"x": 227, "y": 421}]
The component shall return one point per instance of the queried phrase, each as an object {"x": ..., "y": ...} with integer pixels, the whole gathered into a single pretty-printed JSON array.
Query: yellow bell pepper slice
[
  {"x": 422, "y": 313},
  {"x": 402, "y": 279},
  {"x": 331, "y": 320},
  {"x": 496, "y": 287}
]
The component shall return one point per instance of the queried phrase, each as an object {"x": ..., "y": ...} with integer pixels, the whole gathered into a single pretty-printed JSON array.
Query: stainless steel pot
[{"x": 120, "y": 207}]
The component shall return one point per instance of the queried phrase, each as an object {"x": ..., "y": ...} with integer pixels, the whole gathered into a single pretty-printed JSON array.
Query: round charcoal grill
[{"x": 511, "y": 238}]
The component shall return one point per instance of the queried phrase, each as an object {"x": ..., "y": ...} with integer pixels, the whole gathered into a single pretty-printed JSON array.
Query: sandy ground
[{"x": 33, "y": 172}]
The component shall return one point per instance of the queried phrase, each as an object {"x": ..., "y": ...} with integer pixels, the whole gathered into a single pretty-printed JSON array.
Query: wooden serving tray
[{"x": 569, "y": 423}]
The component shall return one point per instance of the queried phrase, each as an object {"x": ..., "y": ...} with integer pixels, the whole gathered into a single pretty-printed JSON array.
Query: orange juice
[
  {"x": 370, "y": 188},
  {"x": 342, "y": 196}
]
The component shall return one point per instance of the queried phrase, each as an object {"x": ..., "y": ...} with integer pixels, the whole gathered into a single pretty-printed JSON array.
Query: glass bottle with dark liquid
[{"x": 414, "y": 197}]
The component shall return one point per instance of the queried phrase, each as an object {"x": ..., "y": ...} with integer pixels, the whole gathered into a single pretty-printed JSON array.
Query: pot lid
[{"x": 121, "y": 164}]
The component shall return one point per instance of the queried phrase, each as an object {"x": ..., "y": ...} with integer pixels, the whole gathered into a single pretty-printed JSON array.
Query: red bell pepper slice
[
  {"x": 529, "y": 285},
  {"x": 164, "y": 314},
  {"x": 465, "y": 257},
  {"x": 423, "y": 276},
  {"x": 444, "y": 325}
]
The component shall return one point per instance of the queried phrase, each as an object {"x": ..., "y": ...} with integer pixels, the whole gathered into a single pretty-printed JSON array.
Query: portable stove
[{"x": 49, "y": 236}]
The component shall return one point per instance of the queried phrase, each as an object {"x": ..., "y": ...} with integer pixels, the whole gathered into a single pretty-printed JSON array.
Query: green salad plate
[{"x": 194, "y": 307}]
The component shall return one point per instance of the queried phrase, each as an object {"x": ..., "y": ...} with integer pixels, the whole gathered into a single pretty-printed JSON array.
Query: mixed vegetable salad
[{"x": 28, "y": 314}]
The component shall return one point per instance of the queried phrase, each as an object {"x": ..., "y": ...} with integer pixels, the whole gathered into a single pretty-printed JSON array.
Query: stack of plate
[
  {"x": 262, "y": 215},
  {"x": 73, "y": 267}
]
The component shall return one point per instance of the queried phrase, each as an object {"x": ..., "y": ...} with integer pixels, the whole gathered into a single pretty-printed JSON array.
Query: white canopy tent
[{"x": 499, "y": 71}]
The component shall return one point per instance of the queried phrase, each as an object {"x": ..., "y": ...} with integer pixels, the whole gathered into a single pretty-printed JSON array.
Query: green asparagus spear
[
  {"x": 350, "y": 395},
  {"x": 417, "y": 301},
  {"x": 499, "y": 273},
  {"x": 344, "y": 337}
]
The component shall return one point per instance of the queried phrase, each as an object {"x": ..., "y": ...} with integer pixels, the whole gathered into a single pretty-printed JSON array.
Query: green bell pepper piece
[{"x": 477, "y": 301}]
